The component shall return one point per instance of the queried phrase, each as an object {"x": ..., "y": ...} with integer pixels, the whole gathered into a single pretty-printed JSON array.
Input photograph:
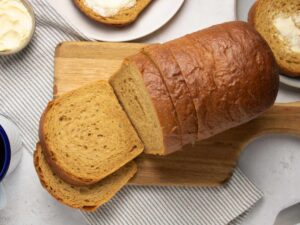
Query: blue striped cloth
[{"x": 26, "y": 84}]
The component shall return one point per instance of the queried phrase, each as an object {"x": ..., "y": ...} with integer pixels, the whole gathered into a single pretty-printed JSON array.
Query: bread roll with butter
[
  {"x": 278, "y": 21},
  {"x": 117, "y": 13}
]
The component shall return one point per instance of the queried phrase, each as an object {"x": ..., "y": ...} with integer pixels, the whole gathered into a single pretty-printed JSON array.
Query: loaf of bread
[
  {"x": 278, "y": 21},
  {"x": 86, "y": 135},
  {"x": 87, "y": 198},
  {"x": 121, "y": 19},
  {"x": 217, "y": 78}
]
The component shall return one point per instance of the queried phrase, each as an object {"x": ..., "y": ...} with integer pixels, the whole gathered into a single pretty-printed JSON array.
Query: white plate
[
  {"x": 157, "y": 14},
  {"x": 242, "y": 13},
  {"x": 292, "y": 82}
]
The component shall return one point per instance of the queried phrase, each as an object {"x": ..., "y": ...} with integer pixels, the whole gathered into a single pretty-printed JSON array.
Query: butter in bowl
[{"x": 17, "y": 25}]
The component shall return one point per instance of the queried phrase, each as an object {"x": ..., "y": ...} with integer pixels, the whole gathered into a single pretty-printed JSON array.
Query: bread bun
[
  {"x": 278, "y": 21},
  {"x": 123, "y": 18}
]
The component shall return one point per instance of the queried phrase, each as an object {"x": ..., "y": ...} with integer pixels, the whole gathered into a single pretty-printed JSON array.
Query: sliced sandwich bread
[
  {"x": 217, "y": 78},
  {"x": 87, "y": 198},
  {"x": 86, "y": 135},
  {"x": 278, "y": 21},
  {"x": 186, "y": 56},
  {"x": 122, "y": 18},
  {"x": 172, "y": 76},
  {"x": 142, "y": 93}
]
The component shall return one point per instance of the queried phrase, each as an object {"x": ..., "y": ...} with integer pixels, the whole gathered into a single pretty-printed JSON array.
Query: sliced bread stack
[
  {"x": 86, "y": 148},
  {"x": 173, "y": 94}
]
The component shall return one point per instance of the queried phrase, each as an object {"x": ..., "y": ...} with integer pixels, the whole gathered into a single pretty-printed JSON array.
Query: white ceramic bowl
[{"x": 24, "y": 45}]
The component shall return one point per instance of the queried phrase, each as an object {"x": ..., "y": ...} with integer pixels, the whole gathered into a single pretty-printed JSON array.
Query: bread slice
[
  {"x": 265, "y": 16},
  {"x": 86, "y": 135},
  {"x": 82, "y": 197},
  {"x": 141, "y": 91},
  {"x": 123, "y": 18},
  {"x": 178, "y": 90},
  {"x": 186, "y": 56}
]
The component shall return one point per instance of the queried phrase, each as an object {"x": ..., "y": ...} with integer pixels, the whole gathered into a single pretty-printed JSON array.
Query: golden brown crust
[
  {"x": 288, "y": 72},
  {"x": 184, "y": 53},
  {"x": 123, "y": 18},
  {"x": 36, "y": 160},
  {"x": 161, "y": 100},
  {"x": 238, "y": 77},
  {"x": 178, "y": 90},
  {"x": 87, "y": 205}
]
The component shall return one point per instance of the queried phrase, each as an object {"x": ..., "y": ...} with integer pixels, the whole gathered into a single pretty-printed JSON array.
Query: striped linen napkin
[{"x": 26, "y": 81}]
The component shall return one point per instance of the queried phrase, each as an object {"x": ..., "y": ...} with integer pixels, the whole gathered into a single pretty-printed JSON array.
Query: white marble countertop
[{"x": 270, "y": 162}]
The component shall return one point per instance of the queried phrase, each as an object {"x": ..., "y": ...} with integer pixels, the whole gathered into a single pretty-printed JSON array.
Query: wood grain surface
[{"x": 206, "y": 163}]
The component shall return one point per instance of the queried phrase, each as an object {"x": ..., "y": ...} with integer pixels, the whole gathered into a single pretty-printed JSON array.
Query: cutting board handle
[
  {"x": 282, "y": 118},
  {"x": 211, "y": 162}
]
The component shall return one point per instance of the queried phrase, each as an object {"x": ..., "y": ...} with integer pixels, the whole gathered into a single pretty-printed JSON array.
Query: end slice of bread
[
  {"x": 86, "y": 135},
  {"x": 123, "y": 18},
  {"x": 278, "y": 21},
  {"x": 141, "y": 91},
  {"x": 87, "y": 198}
]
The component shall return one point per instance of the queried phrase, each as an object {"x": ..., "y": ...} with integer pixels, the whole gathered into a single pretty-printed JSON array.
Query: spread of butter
[
  {"x": 15, "y": 24},
  {"x": 109, "y": 8},
  {"x": 289, "y": 28}
]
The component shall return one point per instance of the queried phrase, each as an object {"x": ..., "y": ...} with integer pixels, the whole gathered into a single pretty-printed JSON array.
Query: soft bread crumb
[{"x": 86, "y": 135}]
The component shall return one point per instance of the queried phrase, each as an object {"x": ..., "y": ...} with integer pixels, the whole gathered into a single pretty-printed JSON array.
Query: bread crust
[
  {"x": 36, "y": 160},
  {"x": 238, "y": 77},
  {"x": 123, "y": 18},
  {"x": 283, "y": 67},
  {"x": 184, "y": 53},
  {"x": 161, "y": 100},
  {"x": 288, "y": 72},
  {"x": 42, "y": 178},
  {"x": 178, "y": 90}
]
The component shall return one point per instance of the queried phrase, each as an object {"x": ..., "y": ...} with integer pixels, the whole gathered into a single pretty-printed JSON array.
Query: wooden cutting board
[{"x": 207, "y": 163}]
